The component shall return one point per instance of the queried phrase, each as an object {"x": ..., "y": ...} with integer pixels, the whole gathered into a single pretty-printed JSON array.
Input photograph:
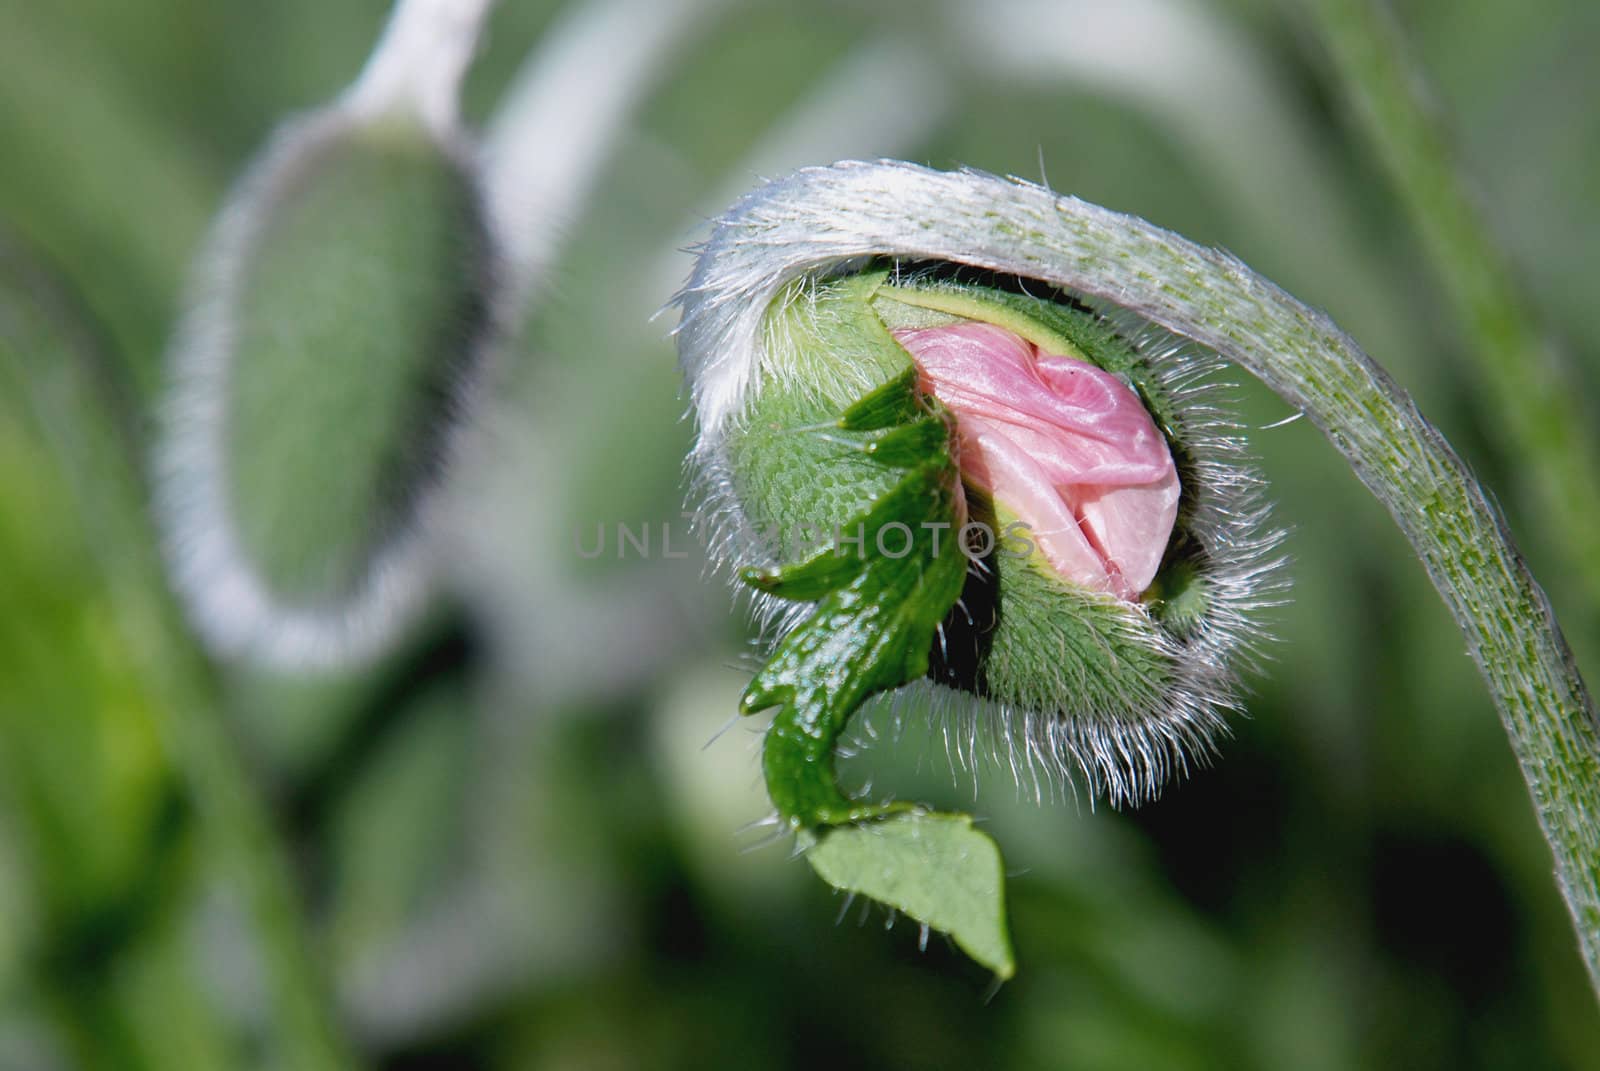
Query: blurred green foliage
[{"x": 515, "y": 845}]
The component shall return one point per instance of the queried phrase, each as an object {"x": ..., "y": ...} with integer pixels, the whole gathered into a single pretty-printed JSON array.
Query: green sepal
[{"x": 353, "y": 327}]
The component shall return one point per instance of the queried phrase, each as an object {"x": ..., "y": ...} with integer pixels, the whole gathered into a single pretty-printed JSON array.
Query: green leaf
[
  {"x": 935, "y": 868},
  {"x": 882, "y": 588}
]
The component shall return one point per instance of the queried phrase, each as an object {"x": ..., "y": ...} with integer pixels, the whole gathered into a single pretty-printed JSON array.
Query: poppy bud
[
  {"x": 1117, "y": 554},
  {"x": 337, "y": 327}
]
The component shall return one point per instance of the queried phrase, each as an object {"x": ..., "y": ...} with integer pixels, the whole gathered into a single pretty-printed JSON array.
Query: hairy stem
[
  {"x": 821, "y": 219},
  {"x": 420, "y": 60},
  {"x": 1518, "y": 372},
  {"x": 243, "y": 835},
  {"x": 105, "y": 494},
  {"x": 546, "y": 144}
]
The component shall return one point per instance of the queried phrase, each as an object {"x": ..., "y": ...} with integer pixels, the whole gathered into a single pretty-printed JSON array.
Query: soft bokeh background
[{"x": 516, "y": 844}]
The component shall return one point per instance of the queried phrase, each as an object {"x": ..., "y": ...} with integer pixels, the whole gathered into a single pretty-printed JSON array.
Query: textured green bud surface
[
  {"x": 794, "y": 469},
  {"x": 357, "y": 312},
  {"x": 1050, "y": 645}
]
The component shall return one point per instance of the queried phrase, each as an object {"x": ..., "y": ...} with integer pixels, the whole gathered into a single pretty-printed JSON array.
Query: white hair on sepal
[
  {"x": 230, "y": 604},
  {"x": 406, "y": 95},
  {"x": 1122, "y": 752},
  {"x": 1119, "y": 739}
]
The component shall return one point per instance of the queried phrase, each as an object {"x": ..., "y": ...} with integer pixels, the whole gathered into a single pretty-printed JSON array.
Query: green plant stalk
[
  {"x": 1520, "y": 379},
  {"x": 823, "y": 219},
  {"x": 108, "y": 497},
  {"x": 234, "y": 820},
  {"x": 242, "y": 834}
]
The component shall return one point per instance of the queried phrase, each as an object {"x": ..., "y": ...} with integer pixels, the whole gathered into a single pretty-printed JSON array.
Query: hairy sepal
[
  {"x": 335, "y": 334},
  {"x": 1076, "y": 684}
]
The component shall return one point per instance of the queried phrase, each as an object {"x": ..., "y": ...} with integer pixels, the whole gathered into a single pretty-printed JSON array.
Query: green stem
[
  {"x": 1519, "y": 377},
  {"x": 237, "y": 825},
  {"x": 242, "y": 834},
  {"x": 822, "y": 218},
  {"x": 58, "y": 375}
]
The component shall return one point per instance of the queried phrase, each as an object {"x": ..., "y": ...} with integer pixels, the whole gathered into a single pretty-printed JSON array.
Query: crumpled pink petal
[{"x": 1064, "y": 445}]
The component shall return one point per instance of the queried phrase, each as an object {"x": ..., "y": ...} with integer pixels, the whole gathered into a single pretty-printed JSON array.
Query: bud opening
[{"x": 1065, "y": 446}]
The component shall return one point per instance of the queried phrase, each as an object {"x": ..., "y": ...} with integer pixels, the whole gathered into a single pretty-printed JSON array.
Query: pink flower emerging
[{"x": 1065, "y": 446}]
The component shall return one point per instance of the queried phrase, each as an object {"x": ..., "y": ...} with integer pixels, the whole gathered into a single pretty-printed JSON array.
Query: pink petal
[
  {"x": 1064, "y": 445},
  {"x": 993, "y": 460},
  {"x": 1130, "y": 526}
]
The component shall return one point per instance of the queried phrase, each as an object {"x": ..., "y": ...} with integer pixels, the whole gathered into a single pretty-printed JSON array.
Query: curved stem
[
  {"x": 547, "y": 142},
  {"x": 822, "y": 218},
  {"x": 106, "y": 495},
  {"x": 420, "y": 60},
  {"x": 1518, "y": 372},
  {"x": 245, "y": 838}
]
